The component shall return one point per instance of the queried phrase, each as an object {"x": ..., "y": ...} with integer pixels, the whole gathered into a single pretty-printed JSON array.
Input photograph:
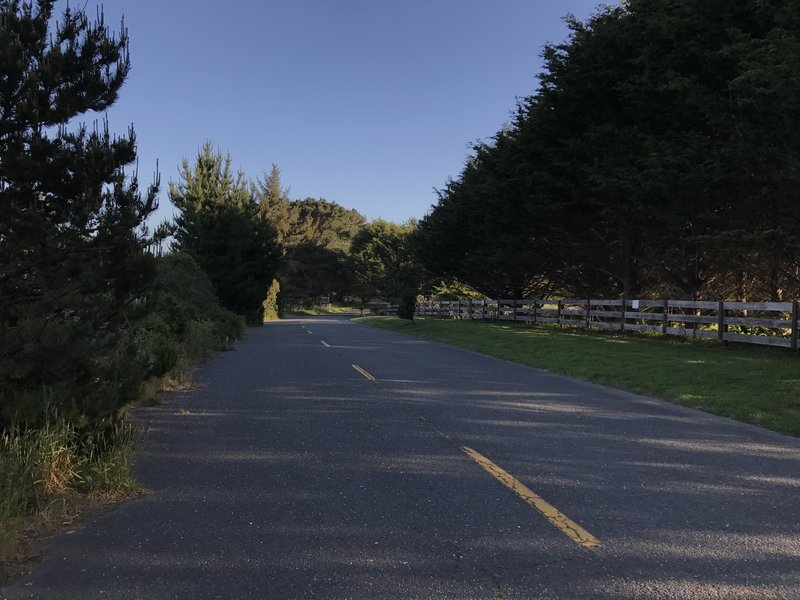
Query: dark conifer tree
[
  {"x": 73, "y": 260},
  {"x": 274, "y": 205},
  {"x": 220, "y": 228}
]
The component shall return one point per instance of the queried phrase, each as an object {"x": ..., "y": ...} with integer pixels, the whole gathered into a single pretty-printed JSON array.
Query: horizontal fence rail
[{"x": 765, "y": 323}]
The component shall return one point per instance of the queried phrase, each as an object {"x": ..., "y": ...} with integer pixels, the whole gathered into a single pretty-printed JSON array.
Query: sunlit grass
[
  {"x": 753, "y": 384},
  {"x": 319, "y": 311}
]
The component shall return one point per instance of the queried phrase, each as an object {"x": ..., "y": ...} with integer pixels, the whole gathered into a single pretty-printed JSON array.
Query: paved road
[{"x": 295, "y": 475}]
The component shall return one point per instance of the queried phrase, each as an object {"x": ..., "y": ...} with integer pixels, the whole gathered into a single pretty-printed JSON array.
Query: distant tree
[
  {"x": 325, "y": 224},
  {"x": 310, "y": 272},
  {"x": 274, "y": 204},
  {"x": 73, "y": 259},
  {"x": 316, "y": 247},
  {"x": 271, "y": 308},
  {"x": 219, "y": 227},
  {"x": 382, "y": 261}
]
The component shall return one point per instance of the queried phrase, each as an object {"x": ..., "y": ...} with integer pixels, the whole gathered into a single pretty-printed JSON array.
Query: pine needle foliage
[
  {"x": 74, "y": 264},
  {"x": 220, "y": 228}
]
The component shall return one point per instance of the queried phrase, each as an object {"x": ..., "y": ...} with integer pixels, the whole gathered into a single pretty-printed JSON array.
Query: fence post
[
  {"x": 535, "y": 311},
  {"x": 458, "y": 309},
  {"x": 795, "y": 317},
  {"x": 498, "y": 309},
  {"x": 588, "y": 311},
  {"x": 622, "y": 316},
  {"x": 514, "y": 311},
  {"x": 665, "y": 319},
  {"x": 721, "y": 322},
  {"x": 559, "y": 308},
  {"x": 483, "y": 309}
]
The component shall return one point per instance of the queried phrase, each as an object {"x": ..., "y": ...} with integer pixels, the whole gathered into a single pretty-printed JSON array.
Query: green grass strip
[
  {"x": 754, "y": 384},
  {"x": 319, "y": 311}
]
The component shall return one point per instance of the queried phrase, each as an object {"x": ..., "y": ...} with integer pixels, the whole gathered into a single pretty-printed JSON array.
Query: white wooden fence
[{"x": 767, "y": 323}]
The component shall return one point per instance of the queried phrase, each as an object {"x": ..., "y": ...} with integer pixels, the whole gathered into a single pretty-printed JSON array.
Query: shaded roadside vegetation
[
  {"x": 57, "y": 465},
  {"x": 51, "y": 474},
  {"x": 754, "y": 385},
  {"x": 92, "y": 318},
  {"x": 188, "y": 322}
]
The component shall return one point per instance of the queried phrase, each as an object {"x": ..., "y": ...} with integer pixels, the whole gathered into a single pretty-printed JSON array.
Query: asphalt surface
[{"x": 294, "y": 475}]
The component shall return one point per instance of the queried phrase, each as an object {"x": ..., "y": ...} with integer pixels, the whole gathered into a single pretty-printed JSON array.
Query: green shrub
[
  {"x": 188, "y": 323},
  {"x": 180, "y": 277},
  {"x": 407, "y": 305}
]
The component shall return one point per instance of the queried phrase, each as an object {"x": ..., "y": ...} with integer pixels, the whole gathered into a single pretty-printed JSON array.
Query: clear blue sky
[{"x": 368, "y": 103}]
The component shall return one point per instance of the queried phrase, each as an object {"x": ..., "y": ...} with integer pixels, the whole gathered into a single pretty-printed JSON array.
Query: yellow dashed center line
[
  {"x": 324, "y": 343},
  {"x": 363, "y": 372},
  {"x": 570, "y": 528}
]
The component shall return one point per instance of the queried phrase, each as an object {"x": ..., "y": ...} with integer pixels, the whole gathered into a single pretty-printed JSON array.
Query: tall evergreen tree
[
  {"x": 220, "y": 228},
  {"x": 274, "y": 205},
  {"x": 73, "y": 260}
]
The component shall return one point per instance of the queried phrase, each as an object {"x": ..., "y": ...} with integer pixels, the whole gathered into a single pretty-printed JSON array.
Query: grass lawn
[
  {"x": 754, "y": 384},
  {"x": 317, "y": 311}
]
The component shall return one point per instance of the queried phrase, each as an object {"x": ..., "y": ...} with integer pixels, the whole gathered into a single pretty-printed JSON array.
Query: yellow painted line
[
  {"x": 324, "y": 343},
  {"x": 574, "y": 531},
  {"x": 363, "y": 372}
]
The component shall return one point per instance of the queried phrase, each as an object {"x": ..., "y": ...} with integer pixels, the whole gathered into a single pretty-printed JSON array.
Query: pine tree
[
  {"x": 73, "y": 260},
  {"x": 220, "y": 228},
  {"x": 274, "y": 205}
]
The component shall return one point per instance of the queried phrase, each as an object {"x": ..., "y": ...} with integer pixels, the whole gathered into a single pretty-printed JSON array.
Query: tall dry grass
[{"x": 40, "y": 467}]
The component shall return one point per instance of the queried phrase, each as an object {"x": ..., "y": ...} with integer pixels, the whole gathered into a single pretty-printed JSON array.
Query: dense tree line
[
  {"x": 264, "y": 251},
  {"x": 382, "y": 262},
  {"x": 659, "y": 156},
  {"x": 314, "y": 236}
]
